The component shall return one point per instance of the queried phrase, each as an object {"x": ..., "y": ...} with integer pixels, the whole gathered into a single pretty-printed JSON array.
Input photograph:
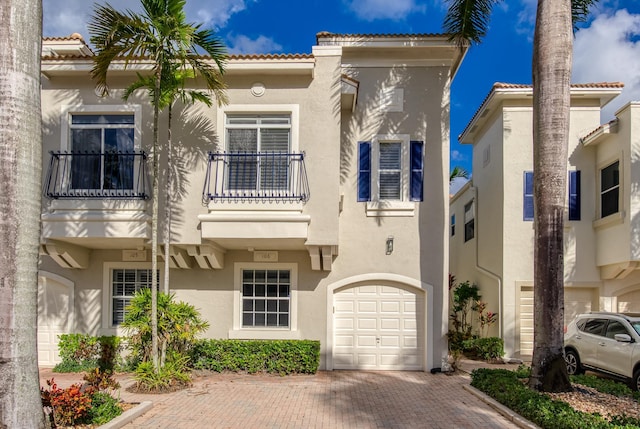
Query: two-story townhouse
[
  {"x": 493, "y": 246},
  {"x": 314, "y": 205}
]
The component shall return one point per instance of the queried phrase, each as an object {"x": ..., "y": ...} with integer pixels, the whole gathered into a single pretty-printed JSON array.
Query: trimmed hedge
[
  {"x": 505, "y": 387},
  {"x": 252, "y": 356},
  {"x": 83, "y": 352}
]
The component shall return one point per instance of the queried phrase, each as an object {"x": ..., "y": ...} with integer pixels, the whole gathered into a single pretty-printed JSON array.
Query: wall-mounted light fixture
[{"x": 389, "y": 245}]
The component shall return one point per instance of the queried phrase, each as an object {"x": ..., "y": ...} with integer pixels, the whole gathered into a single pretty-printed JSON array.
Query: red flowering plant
[{"x": 69, "y": 406}]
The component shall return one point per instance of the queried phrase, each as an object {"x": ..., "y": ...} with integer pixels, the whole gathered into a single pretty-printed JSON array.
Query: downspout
[{"x": 483, "y": 270}]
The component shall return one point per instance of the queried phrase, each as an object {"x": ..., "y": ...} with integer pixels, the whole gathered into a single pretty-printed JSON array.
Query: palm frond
[
  {"x": 580, "y": 11},
  {"x": 468, "y": 20}
]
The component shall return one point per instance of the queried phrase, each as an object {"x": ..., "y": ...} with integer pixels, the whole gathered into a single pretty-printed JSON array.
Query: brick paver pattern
[{"x": 335, "y": 399}]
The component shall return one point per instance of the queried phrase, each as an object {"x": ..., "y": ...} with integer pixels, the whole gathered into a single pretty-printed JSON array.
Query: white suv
[{"x": 605, "y": 342}]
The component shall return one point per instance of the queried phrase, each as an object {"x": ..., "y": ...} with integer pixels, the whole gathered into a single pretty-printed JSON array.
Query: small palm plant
[{"x": 179, "y": 324}]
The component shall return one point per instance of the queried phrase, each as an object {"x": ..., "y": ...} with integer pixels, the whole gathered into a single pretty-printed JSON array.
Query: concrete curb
[
  {"x": 128, "y": 416},
  {"x": 508, "y": 413}
]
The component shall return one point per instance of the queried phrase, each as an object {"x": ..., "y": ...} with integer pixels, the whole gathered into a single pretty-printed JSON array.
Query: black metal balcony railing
[
  {"x": 251, "y": 176},
  {"x": 121, "y": 175}
]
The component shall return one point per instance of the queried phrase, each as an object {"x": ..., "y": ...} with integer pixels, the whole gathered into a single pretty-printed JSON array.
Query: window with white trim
[
  {"x": 266, "y": 298},
  {"x": 125, "y": 282},
  {"x": 265, "y": 301},
  {"x": 390, "y": 168},
  {"x": 610, "y": 189},
  {"x": 248, "y": 135},
  {"x": 469, "y": 221}
]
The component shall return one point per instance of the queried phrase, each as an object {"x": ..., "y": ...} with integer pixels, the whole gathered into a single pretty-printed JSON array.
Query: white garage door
[
  {"x": 629, "y": 302},
  {"x": 55, "y": 306},
  {"x": 576, "y": 301},
  {"x": 377, "y": 327}
]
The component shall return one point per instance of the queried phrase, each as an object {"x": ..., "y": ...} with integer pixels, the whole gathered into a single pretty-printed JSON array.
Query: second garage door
[{"x": 378, "y": 327}]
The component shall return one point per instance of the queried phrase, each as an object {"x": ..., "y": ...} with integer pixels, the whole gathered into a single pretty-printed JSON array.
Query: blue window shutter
[
  {"x": 417, "y": 171},
  {"x": 364, "y": 171},
  {"x": 528, "y": 196},
  {"x": 574, "y": 195}
]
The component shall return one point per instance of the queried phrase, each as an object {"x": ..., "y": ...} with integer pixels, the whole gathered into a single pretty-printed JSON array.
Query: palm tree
[
  {"x": 458, "y": 173},
  {"x": 467, "y": 22},
  {"x": 20, "y": 174},
  {"x": 162, "y": 34}
]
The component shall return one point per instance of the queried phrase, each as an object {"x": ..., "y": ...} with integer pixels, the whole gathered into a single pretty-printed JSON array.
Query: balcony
[
  {"x": 96, "y": 200},
  {"x": 98, "y": 175},
  {"x": 256, "y": 201},
  {"x": 251, "y": 176}
]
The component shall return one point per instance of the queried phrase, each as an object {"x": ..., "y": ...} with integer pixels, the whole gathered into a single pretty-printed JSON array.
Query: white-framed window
[
  {"x": 121, "y": 282},
  {"x": 453, "y": 225},
  {"x": 610, "y": 189},
  {"x": 390, "y": 173},
  {"x": 469, "y": 221},
  {"x": 102, "y": 141},
  {"x": 265, "y": 300},
  {"x": 258, "y": 145}
]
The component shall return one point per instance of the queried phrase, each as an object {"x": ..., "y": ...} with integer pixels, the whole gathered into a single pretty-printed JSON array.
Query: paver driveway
[{"x": 337, "y": 399}]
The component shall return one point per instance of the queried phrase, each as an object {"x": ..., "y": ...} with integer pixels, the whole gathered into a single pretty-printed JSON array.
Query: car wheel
[
  {"x": 635, "y": 381},
  {"x": 573, "y": 363}
]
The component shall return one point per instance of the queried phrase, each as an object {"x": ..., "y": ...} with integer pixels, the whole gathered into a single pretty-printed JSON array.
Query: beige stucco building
[
  {"x": 493, "y": 214},
  {"x": 314, "y": 205}
]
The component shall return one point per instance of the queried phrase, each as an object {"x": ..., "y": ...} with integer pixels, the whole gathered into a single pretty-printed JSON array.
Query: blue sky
[{"x": 606, "y": 49}]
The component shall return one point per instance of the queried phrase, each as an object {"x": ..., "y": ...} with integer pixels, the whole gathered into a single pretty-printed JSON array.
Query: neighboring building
[
  {"x": 493, "y": 243},
  {"x": 313, "y": 206}
]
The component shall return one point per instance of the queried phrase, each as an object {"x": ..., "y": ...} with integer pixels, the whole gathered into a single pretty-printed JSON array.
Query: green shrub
[
  {"x": 252, "y": 356},
  {"x": 605, "y": 385},
  {"x": 484, "y": 348},
  {"x": 179, "y": 324},
  {"x": 505, "y": 387},
  {"x": 83, "y": 352},
  {"x": 173, "y": 375},
  {"x": 104, "y": 408}
]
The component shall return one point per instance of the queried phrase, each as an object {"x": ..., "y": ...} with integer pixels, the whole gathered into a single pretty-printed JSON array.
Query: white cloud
[
  {"x": 456, "y": 155},
  {"x": 64, "y": 17},
  {"x": 244, "y": 45},
  {"x": 370, "y": 10},
  {"x": 609, "y": 51}
]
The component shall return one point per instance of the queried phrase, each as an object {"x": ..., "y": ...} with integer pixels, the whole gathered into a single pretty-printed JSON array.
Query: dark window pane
[
  {"x": 247, "y": 319},
  {"x": 261, "y": 290},
  {"x": 284, "y": 319},
  {"x": 272, "y": 290},
  {"x": 260, "y": 319},
  {"x": 284, "y": 305},
  {"x": 272, "y": 306},
  {"x": 284, "y": 290},
  {"x": 610, "y": 176},
  {"x": 272, "y": 320},
  {"x": 247, "y": 305},
  {"x": 247, "y": 276},
  {"x": 610, "y": 202},
  {"x": 247, "y": 290},
  {"x": 259, "y": 305}
]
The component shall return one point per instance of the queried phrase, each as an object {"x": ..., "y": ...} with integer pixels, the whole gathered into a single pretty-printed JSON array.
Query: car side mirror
[{"x": 622, "y": 338}]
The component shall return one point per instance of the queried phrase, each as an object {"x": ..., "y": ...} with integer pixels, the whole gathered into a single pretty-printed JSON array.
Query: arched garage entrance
[
  {"x": 55, "y": 315},
  {"x": 379, "y": 323}
]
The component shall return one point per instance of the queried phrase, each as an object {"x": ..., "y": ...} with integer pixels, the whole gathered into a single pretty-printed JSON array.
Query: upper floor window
[
  {"x": 258, "y": 147},
  {"x": 469, "y": 221},
  {"x": 102, "y": 146},
  {"x": 610, "y": 189},
  {"x": 453, "y": 225},
  {"x": 390, "y": 168},
  {"x": 573, "y": 197}
]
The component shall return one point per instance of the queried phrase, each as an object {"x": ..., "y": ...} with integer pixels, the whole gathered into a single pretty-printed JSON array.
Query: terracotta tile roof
[
  {"x": 599, "y": 129},
  {"x": 378, "y": 35},
  {"x": 269, "y": 56},
  {"x": 504, "y": 85}
]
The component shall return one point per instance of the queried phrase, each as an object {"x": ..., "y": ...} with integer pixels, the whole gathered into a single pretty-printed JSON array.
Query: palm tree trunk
[
  {"x": 154, "y": 227},
  {"x": 552, "y": 55},
  {"x": 20, "y": 175},
  {"x": 167, "y": 208}
]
